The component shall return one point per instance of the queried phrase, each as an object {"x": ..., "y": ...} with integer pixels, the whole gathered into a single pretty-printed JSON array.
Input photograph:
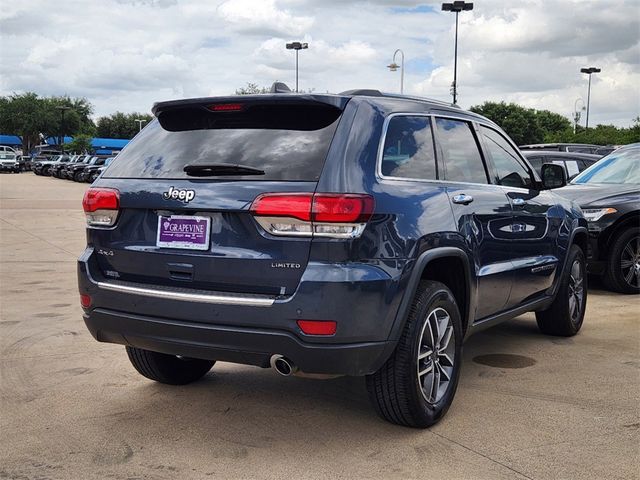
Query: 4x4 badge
[{"x": 179, "y": 194}]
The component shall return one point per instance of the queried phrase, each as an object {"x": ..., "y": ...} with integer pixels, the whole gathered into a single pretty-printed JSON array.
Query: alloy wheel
[
  {"x": 576, "y": 290},
  {"x": 436, "y": 355},
  {"x": 630, "y": 262}
]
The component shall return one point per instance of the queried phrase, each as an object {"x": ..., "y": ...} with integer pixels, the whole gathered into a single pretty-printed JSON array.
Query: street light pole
[
  {"x": 577, "y": 114},
  {"x": 297, "y": 46},
  {"x": 589, "y": 71},
  {"x": 457, "y": 7},
  {"x": 62, "y": 109},
  {"x": 393, "y": 66},
  {"x": 140, "y": 121}
]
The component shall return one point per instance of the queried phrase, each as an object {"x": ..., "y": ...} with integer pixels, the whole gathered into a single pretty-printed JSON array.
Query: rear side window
[
  {"x": 287, "y": 142},
  {"x": 408, "y": 148},
  {"x": 509, "y": 170},
  {"x": 461, "y": 156}
]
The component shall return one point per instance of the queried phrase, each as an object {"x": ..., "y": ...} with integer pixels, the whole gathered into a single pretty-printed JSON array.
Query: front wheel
[
  {"x": 169, "y": 369},
  {"x": 623, "y": 265},
  {"x": 416, "y": 385},
  {"x": 565, "y": 315}
]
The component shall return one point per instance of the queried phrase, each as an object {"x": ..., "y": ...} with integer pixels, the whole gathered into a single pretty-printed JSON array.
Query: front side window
[
  {"x": 509, "y": 170},
  {"x": 408, "y": 148},
  {"x": 462, "y": 159}
]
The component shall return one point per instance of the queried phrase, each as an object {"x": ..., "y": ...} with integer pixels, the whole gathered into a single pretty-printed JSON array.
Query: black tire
[
  {"x": 394, "y": 390},
  {"x": 168, "y": 369},
  {"x": 565, "y": 315},
  {"x": 622, "y": 273},
  {"x": 76, "y": 176}
]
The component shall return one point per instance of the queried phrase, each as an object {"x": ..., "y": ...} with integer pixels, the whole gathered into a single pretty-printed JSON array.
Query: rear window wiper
[{"x": 215, "y": 169}]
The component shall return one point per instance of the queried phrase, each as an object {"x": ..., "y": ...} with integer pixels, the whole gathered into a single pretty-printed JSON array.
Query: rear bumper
[
  {"x": 232, "y": 344},
  {"x": 362, "y": 299}
]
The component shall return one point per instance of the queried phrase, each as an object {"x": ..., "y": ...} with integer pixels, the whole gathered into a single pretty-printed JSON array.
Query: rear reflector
[
  {"x": 317, "y": 327},
  {"x": 306, "y": 214},
  {"x": 101, "y": 207},
  {"x": 85, "y": 300}
]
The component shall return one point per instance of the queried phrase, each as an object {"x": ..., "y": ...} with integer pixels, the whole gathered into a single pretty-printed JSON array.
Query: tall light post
[
  {"x": 297, "y": 46},
  {"x": 62, "y": 109},
  {"x": 393, "y": 66},
  {"x": 457, "y": 7},
  {"x": 589, "y": 71},
  {"x": 140, "y": 121},
  {"x": 577, "y": 114}
]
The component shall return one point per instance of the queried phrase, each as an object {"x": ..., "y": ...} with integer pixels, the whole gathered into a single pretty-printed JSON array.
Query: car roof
[
  {"x": 547, "y": 145},
  {"x": 558, "y": 154},
  {"x": 338, "y": 100}
]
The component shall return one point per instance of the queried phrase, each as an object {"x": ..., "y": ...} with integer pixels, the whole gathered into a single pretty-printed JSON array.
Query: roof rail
[
  {"x": 363, "y": 91},
  {"x": 377, "y": 93}
]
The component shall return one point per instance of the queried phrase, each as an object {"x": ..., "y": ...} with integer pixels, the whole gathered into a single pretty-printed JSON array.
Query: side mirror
[{"x": 553, "y": 176}]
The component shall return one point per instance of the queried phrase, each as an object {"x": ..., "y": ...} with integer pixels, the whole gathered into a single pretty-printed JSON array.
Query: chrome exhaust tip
[{"x": 282, "y": 365}]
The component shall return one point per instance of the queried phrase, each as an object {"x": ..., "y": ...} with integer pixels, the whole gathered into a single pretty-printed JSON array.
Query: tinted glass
[
  {"x": 536, "y": 163},
  {"x": 286, "y": 145},
  {"x": 408, "y": 148},
  {"x": 509, "y": 171},
  {"x": 621, "y": 166},
  {"x": 461, "y": 157},
  {"x": 580, "y": 149}
]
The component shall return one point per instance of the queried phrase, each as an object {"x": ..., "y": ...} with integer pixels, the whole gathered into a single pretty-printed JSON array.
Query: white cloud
[{"x": 127, "y": 54}]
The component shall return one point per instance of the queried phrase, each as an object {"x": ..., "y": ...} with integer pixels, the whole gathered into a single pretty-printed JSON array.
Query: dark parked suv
[{"x": 354, "y": 234}]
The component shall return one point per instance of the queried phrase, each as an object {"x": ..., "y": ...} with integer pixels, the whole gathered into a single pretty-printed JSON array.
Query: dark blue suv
[{"x": 354, "y": 234}]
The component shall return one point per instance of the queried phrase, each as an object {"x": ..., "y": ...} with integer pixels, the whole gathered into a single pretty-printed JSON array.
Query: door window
[
  {"x": 509, "y": 170},
  {"x": 408, "y": 148},
  {"x": 462, "y": 159},
  {"x": 536, "y": 163}
]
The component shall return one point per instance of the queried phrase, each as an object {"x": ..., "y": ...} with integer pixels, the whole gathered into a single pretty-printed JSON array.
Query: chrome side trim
[{"x": 218, "y": 299}]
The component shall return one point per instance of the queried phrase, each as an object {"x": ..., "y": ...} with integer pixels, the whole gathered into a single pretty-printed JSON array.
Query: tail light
[
  {"x": 101, "y": 207},
  {"x": 307, "y": 214}
]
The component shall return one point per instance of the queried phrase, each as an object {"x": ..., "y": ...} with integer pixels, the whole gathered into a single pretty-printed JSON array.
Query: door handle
[
  {"x": 462, "y": 199},
  {"x": 518, "y": 201}
]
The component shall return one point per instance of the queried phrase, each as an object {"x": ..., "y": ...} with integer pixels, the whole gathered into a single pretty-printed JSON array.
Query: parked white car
[{"x": 9, "y": 159}]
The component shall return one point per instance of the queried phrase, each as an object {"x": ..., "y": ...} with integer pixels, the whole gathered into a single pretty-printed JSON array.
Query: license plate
[{"x": 183, "y": 231}]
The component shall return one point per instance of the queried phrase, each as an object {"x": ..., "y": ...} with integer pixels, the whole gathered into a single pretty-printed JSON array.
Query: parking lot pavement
[{"x": 528, "y": 406}]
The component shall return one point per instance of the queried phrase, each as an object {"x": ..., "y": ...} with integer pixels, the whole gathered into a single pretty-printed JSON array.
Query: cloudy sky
[{"x": 126, "y": 54}]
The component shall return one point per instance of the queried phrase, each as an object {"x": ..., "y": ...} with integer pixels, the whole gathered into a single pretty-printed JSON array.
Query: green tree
[
  {"x": 81, "y": 143},
  {"x": 32, "y": 117},
  {"x": 23, "y": 115},
  {"x": 252, "y": 89},
  {"x": 520, "y": 123},
  {"x": 121, "y": 125},
  {"x": 551, "y": 122}
]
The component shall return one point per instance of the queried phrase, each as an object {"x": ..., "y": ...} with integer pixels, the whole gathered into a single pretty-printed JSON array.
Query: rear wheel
[
  {"x": 169, "y": 369},
  {"x": 623, "y": 265},
  {"x": 565, "y": 315},
  {"x": 416, "y": 385}
]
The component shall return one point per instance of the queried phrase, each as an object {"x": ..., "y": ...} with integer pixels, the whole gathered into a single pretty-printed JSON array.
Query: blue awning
[
  {"x": 109, "y": 143},
  {"x": 10, "y": 140}
]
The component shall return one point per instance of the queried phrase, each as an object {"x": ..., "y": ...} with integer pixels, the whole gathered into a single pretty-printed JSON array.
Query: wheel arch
[
  {"x": 457, "y": 276},
  {"x": 628, "y": 220}
]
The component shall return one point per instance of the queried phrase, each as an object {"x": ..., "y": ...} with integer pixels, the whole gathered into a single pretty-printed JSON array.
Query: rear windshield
[{"x": 286, "y": 142}]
